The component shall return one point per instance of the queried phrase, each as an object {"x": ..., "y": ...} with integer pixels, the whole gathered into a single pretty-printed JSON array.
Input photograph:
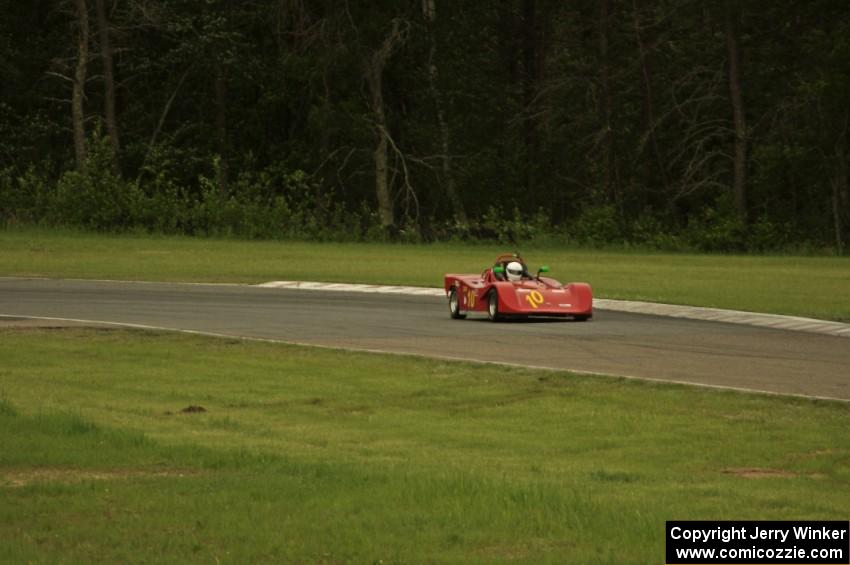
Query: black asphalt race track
[{"x": 634, "y": 345}]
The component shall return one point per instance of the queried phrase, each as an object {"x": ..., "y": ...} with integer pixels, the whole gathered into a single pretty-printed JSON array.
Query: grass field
[
  {"x": 805, "y": 286},
  {"x": 320, "y": 456}
]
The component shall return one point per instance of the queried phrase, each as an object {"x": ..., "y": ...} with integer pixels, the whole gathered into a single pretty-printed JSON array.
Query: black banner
[{"x": 758, "y": 542}]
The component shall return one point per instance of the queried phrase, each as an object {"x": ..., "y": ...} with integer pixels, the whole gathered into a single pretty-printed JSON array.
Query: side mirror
[{"x": 543, "y": 269}]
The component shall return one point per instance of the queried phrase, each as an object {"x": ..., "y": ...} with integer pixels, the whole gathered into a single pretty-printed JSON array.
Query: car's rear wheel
[
  {"x": 454, "y": 305},
  {"x": 581, "y": 318},
  {"x": 493, "y": 307}
]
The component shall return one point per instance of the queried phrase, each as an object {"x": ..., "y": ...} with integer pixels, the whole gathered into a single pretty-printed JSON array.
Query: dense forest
[{"x": 674, "y": 124}]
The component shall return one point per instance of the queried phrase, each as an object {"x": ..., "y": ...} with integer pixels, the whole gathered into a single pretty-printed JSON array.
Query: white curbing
[
  {"x": 775, "y": 321},
  {"x": 346, "y": 287}
]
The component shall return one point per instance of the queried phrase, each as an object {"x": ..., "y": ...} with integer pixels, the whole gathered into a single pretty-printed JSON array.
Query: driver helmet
[{"x": 514, "y": 271}]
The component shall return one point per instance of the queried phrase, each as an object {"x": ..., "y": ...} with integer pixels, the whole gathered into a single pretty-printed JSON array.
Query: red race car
[{"x": 508, "y": 290}]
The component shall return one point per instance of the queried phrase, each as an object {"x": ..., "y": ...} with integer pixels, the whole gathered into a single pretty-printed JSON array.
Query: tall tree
[
  {"x": 649, "y": 137},
  {"x": 606, "y": 104},
  {"x": 220, "y": 87},
  {"x": 108, "y": 82},
  {"x": 429, "y": 12},
  {"x": 221, "y": 39},
  {"x": 374, "y": 64},
  {"x": 529, "y": 91},
  {"x": 839, "y": 182},
  {"x": 79, "y": 84},
  {"x": 739, "y": 183}
]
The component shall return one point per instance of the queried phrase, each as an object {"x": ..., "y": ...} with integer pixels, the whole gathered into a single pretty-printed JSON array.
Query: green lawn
[
  {"x": 321, "y": 456},
  {"x": 805, "y": 286}
]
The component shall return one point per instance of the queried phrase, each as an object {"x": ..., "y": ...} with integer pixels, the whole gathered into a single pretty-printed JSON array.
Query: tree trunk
[
  {"x": 529, "y": 91},
  {"x": 648, "y": 105},
  {"x": 382, "y": 186},
  {"x": 458, "y": 210},
  {"x": 221, "y": 126},
  {"x": 739, "y": 185},
  {"x": 606, "y": 105},
  {"x": 108, "y": 83},
  {"x": 839, "y": 191},
  {"x": 374, "y": 71},
  {"x": 78, "y": 93},
  {"x": 837, "y": 183}
]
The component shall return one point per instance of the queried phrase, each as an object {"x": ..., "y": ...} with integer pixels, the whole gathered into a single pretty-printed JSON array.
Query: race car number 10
[{"x": 534, "y": 298}]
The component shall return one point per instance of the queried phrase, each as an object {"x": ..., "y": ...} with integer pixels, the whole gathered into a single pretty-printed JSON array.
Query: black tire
[
  {"x": 454, "y": 305},
  {"x": 493, "y": 307},
  {"x": 582, "y": 318}
]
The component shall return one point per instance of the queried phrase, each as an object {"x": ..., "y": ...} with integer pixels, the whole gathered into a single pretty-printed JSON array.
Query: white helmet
[{"x": 514, "y": 271}]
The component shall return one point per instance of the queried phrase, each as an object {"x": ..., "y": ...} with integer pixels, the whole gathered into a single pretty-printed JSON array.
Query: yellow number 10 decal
[
  {"x": 470, "y": 298},
  {"x": 534, "y": 298}
]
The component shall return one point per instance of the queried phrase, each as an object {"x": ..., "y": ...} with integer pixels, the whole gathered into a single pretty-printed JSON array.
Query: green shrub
[
  {"x": 23, "y": 198},
  {"x": 8, "y": 200},
  {"x": 95, "y": 198},
  {"x": 764, "y": 235},
  {"x": 275, "y": 202},
  {"x": 650, "y": 232},
  {"x": 597, "y": 226}
]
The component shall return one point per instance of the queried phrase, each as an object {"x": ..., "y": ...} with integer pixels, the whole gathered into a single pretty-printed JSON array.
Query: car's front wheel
[
  {"x": 493, "y": 307},
  {"x": 454, "y": 305}
]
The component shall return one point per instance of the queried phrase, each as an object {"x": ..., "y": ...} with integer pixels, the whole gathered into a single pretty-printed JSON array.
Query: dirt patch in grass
[
  {"x": 191, "y": 409},
  {"x": 522, "y": 551},
  {"x": 16, "y": 478},
  {"x": 758, "y": 473},
  {"x": 821, "y": 453}
]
